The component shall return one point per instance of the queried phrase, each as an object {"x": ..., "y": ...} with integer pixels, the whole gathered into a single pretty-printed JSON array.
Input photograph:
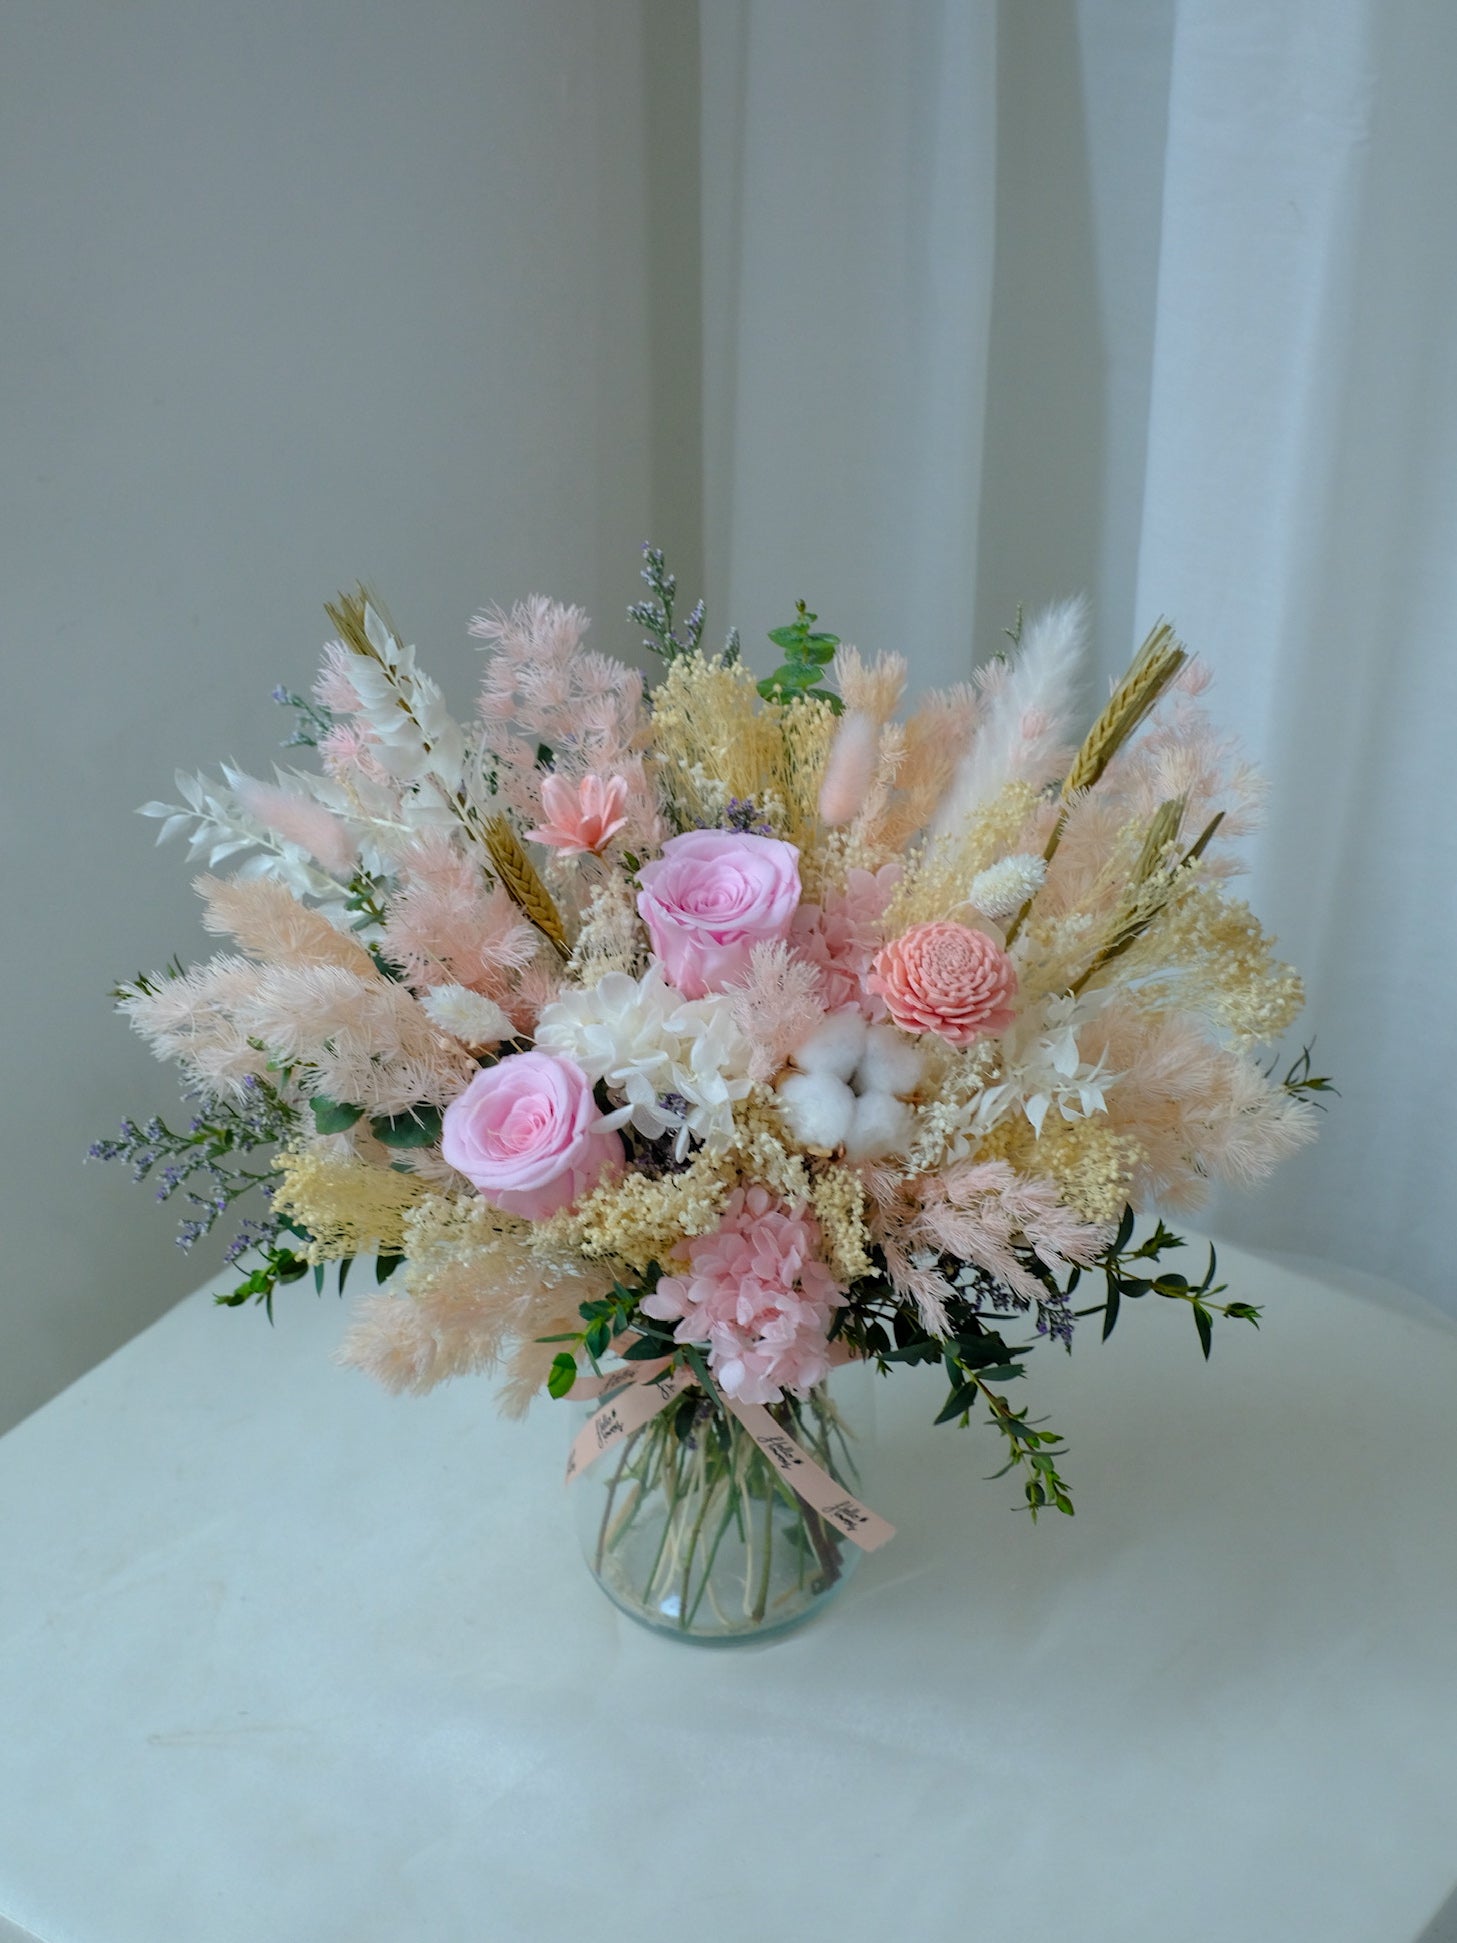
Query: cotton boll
[
  {"x": 882, "y": 1125},
  {"x": 834, "y": 1047},
  {"x": 819, "y": 1109},
  {"x": 890, "y": 1063}
]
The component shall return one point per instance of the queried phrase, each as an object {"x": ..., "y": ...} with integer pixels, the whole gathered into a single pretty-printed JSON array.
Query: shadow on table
[{"x": 1443, "y": 1926}]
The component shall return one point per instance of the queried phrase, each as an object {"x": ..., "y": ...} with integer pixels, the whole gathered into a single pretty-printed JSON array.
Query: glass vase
[{"x": 689, "y": 1528}]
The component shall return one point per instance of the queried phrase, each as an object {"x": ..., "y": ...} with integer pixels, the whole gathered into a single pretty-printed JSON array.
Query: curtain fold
[
  {"x": 848, "y": 228},
  {"x": 1148, "y": 297},
  {"x": 1298, "y": 519}
]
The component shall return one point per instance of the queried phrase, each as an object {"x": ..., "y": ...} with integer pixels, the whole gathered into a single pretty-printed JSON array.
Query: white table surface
[{"x": 284, "y": 1658}]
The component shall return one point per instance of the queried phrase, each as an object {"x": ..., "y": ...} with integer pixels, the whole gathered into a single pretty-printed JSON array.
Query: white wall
[{"x": 291, "y": 295}]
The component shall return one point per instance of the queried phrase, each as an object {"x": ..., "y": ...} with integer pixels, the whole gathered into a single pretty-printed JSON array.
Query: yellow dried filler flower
[{"x": 348, "y": 1206}]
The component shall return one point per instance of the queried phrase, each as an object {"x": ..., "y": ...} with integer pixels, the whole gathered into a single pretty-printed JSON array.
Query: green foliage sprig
[
  {"x": 1124, "y": 1281},
  {"x": 417, "y": 1126},
  {"x": 1301, "y": 1083},
  {"x": 314, "y": 721},
  {"x": 806, "y": 656}
]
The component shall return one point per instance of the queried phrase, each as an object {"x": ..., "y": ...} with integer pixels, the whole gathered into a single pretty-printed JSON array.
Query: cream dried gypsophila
[{"x": 680, "y": 1064}]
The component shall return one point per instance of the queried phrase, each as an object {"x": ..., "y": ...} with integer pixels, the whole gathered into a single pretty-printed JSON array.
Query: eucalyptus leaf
[
  {"x": 334, "y": 1116},
  {"x": 420, "y": 1127}
]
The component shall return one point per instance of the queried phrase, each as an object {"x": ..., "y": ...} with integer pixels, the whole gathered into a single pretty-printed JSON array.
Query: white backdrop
[
  {"x": 291, "y": 296},
  {"x": 915, "y": 310}
]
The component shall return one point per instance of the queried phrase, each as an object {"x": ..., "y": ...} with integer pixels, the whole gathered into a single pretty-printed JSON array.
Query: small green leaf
[
  {"x": 698, "y": 1363},
  {"x": 345, "y": 1264},
  {"x": 385, "y": 1266},
  {"x": 420, "y": 1127},
  {"x": 1204, "y": 1323},
  {"x": 1110, "y": 1313},
  {"x": 318, "y": 1278},
  {"x": 334, "y": 1116},
  {"x": 979, "y": 1352},
  {"x": 962, "y": 1397},
  {"x": 1003, "y": 1372},
  {"x": 646, "y": 1348},
  {"x": 599, "y": 1336},
  {"x": 563, "y": 1373}
]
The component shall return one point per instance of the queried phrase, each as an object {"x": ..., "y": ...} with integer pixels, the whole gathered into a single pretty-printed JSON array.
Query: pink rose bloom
[
  {"x": 710, "y": 898},
  {"x": 757, "y": 1293},
  {"x": 528, "y": 1134},
  {"x": 581, "y": 819},
  {"x": 946, "y": 979}
]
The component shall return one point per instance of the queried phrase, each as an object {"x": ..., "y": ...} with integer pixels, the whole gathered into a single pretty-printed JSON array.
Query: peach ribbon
[{"x": 644, "y": 1392}]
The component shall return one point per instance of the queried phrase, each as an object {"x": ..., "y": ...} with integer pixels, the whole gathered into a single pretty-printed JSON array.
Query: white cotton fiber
[
  {"x": 834, "y": 1047},
  {"x": 890, "y": 1063},
  {"x": 819, "y": 1109},
  {"x": 881, "y": 1125}
]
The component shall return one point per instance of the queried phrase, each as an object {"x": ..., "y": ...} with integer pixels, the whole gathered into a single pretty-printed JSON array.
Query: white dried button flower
[{"x": 1002, "y": 890}]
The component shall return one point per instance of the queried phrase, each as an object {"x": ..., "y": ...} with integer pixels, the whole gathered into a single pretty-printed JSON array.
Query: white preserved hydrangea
[{"x": 679, "y": 1064}]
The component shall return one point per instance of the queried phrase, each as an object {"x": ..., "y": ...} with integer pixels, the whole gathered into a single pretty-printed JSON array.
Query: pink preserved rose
[
  {"x": 527, "y": 1133},
  {"x": 710, "y": 898}
]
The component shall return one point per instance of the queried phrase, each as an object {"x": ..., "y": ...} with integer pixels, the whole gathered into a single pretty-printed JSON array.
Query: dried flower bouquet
[{"x": 674, "y": 1044}]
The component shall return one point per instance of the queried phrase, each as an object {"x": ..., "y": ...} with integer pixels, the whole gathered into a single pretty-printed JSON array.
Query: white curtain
[{"x": 1194, "y": 354}]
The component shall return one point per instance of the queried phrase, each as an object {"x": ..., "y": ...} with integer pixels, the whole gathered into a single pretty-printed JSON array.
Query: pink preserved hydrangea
[
  {"x": 758, "y": 1295},
  {"x": 841, "y": 935}
]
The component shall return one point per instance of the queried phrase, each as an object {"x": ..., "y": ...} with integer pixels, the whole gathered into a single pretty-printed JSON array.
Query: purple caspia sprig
[
  {"x": 742, "y": 813},
  {"x": 199, "y": 1162}
]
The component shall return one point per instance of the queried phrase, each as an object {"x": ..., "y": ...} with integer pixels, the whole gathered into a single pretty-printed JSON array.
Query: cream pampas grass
[
  {"x": 1028, "y": 702},
  {"x": 270, "y": 924}
]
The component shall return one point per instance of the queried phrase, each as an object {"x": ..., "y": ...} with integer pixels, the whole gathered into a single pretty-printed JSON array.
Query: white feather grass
[{"x": 1026, "y": 732}]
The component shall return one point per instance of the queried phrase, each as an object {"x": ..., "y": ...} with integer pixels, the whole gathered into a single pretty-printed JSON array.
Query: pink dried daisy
[
  {"x": 584, "y": 818},
  {"x": 758, "y": 1295},
  {"x": 947, "y": 979}
]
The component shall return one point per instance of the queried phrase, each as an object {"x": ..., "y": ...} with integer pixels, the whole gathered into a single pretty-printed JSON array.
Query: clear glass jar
[{"x": 690, "y": 1529}]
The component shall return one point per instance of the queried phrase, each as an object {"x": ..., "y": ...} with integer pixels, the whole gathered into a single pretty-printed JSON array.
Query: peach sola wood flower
[{"x": 947, "y": 979}]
